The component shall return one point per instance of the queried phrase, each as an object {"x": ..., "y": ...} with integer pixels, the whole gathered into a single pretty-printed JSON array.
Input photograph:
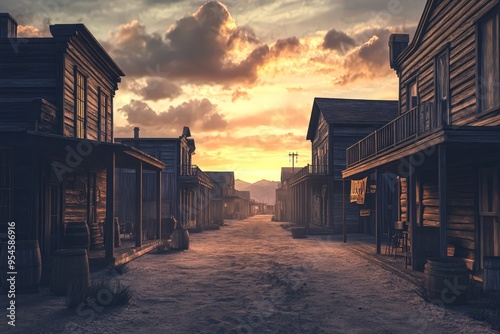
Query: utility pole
[{"x": 295, "y": 158}]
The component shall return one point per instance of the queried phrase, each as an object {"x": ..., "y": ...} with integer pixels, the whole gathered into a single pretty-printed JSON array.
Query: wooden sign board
[{"x": 365, "y": 212}]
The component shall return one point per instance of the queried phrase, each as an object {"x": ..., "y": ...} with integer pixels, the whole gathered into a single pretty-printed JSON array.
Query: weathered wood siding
[
  {"x": 429, "y": 199},
  {"x": 351, "y": 209},
  {"x": 28, "y": 70},
  {"x": 451, "y": 26},
  {"x": 320, "y": 142},
  {"x": 78, "y": 58},
  {"x": 461, "y": 209},
  {"x": 403, "y": 209}
]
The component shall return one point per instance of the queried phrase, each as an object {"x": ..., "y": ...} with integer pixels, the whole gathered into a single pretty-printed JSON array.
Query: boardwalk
[{"x": 252, "y": 277}]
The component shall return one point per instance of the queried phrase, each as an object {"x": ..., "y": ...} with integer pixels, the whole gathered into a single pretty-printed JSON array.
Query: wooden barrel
[
  {"x": 180, "y": 239},
  {"x": 70, "y": 266},
  {"x": 77, "y": 236},
  {"x": 446, "y": 280},
  {"x": 491, "y": 279},
  {"x": 28, "y": 266},
  {"x": 298, "y": 232},
  {"x": 185, "y": 238}
]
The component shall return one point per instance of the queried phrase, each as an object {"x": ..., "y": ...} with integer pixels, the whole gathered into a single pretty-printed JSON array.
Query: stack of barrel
[
  {"x": 71, "y": 265},
  {"x": 28, "y": 266},
  {"x": 446, "y": 280}
]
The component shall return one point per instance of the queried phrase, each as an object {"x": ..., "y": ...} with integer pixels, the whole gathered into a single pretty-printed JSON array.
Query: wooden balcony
[
  {"x": 308, "y": 171},
  {"x": 405, "y": 129},
  {"x": 194, "y": 174}
]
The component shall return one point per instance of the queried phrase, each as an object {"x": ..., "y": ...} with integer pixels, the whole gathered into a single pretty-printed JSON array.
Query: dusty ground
[{"x": 251, "y": 277}]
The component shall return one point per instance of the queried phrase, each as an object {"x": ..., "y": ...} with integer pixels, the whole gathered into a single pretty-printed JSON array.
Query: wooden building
[
  {"x": 227, "y": 202},
  {"x": 186, "y": 189},
  {"x": 57, "y": 156},
  {"x": 283, "y": 205},
  {"x": 444, "y": 145},
  {"x": 317, "y": 190},
  {"x": 220, "y": 181}
]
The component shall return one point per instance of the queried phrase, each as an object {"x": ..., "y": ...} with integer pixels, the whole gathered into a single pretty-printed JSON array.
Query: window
[
  {"x": 80, "y": 105},
  {"x": 489, "y": 76},
  {"x": 103, "y": 116},
  {"x": 5, "y": 184},
  {"x": 412, "y": 92},
  {"x": 488, "y": 213},
  {"x": 443, "y": 86}
]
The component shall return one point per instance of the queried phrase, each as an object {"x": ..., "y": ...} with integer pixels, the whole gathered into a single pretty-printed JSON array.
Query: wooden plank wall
[
  {"x": 454, "y": 24},
  {"x": 351, "y": 211},
  {"x": 403, "y": 183},
  {"x": 429, "y": 199},
  {"x": 462, "y": 185},
  {"x": 78, "y": 56},
  {"x": 29, "y": 73}
]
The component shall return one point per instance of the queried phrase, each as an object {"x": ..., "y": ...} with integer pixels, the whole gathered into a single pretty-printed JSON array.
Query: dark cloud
[
  {"x": 286, "y": 46},
  {"x": 199, "y": 49},
  {"x": 200, "y": 115},
  {"x": 240, "y": 95},
  {"x": 156, "y": 89},
  {"x": 370, "y": 60},
  {"x": 338, "y": 41}
]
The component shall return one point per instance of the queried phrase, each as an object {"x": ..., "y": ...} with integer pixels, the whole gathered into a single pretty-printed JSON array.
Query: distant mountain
[{"x": 263, "y": 191}]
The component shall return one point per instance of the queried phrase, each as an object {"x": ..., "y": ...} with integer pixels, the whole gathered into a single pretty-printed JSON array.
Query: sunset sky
[{"x": 241, "y": 74}]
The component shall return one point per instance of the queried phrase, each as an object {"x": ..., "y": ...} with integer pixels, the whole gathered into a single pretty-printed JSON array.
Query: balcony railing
[
  {"x": 416, "y": 123},
  {"x": 309, "y": 170},
  {"x": 195, "y": 171}
]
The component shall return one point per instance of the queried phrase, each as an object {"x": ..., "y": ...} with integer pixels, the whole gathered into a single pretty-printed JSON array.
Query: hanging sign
[{"x": 358, "y": 191}]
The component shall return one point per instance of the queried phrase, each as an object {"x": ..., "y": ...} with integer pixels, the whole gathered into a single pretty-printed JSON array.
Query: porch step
[
  {"x": 126, "y": 256},
  {"x": 320, "y": 231}
]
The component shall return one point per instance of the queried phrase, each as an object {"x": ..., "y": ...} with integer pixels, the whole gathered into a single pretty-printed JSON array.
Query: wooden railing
[
  {"x": 309, "y": 170},
  {"x": 194, "y": 170},
  {"x": 416, "y": 123}
]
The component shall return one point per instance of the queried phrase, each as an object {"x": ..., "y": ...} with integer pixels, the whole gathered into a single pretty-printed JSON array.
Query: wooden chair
[{"x": 128, "y": 229}]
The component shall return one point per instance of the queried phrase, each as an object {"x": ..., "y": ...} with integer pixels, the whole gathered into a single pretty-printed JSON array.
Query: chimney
[
  {"x": 136, "y": 132},
  {"x": 397, "y": 44},
  {"x": 8, "y": 26}
]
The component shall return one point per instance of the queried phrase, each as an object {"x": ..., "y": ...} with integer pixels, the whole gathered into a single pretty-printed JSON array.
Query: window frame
[
  {"x": 103, "y": 131},
  {"x": 80, "y": 120},
  {"x": 479, "y": 65},
  {"x": 445, "y": 114},
  {"x": 409, "y": 83}
]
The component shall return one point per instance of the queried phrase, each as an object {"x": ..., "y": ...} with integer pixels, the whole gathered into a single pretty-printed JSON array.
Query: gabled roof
[
  {"x": 67, "y": 31},
  {"x": 287, "y": 172},
  {"x": 351, "y": 112},
  {"x": 222, "y": 178},
  {"x": 419, "y": 33}
]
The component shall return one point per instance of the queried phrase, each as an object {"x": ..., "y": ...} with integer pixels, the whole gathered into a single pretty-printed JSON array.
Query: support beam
[
  {"x": 138, "y": 205},
  {"x": 109, "y": 226},
  {"x": 412, "y": 212},
  {"x": 379, "y": 208},
  {"x": 443, "y": 225},
  {"x": 158, "y": 203},
  {"x": 344, "y": 222}
]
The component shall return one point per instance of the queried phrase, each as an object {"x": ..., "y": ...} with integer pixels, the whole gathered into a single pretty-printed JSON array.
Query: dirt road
[{"x": 252, "y": 277}]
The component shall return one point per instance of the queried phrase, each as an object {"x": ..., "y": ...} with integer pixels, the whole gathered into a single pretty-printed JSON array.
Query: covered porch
[{"x": 81, "y": 188}]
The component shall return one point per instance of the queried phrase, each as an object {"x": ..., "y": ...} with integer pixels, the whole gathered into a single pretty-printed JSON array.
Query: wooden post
[
  {"x": 344, "y": 223},
  {"x": 138, "y": 205},
  {"x": 109, "y": 226},
  {"x": 378, "y": 208},
  {"x": 412, "y": 211},
  {"x": 443, "y": 235},
  {"x": 158, "y": 203}
]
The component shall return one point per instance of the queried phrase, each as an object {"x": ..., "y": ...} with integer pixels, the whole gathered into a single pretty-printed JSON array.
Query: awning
[{"x": 76, "y": 152}]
